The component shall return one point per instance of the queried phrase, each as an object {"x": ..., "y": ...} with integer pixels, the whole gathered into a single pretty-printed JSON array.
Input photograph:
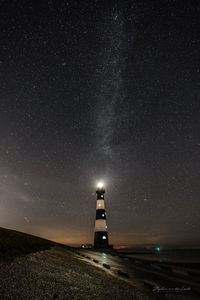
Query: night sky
[{"x": 101, "y": 90}]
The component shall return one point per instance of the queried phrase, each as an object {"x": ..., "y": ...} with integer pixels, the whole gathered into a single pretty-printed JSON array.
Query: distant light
[
  {"x": 158, "y": 249},
  {"x": 104, "y": 237},
  {"x": 103, "y": 215},
  {"x": 100, "y": 185},
  {"x": 99, "y": 204}
]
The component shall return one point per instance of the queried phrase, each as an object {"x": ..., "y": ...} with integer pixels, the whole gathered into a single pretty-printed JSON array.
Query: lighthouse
[{"x": 101, "y": 234}]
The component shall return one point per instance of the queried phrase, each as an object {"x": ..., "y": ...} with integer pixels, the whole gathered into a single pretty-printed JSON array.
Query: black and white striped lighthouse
[{"x": 101, "y": 234}]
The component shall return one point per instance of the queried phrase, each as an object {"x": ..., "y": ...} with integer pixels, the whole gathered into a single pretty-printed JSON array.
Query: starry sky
[{"x": 101, "y": 90}]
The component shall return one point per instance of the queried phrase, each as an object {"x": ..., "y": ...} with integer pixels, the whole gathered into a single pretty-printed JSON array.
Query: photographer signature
[{"x": 159, "y": 289}]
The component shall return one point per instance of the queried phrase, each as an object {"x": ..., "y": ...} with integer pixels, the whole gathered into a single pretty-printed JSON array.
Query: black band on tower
[
  {"x": 101, "y": 239},
  {"x": 100, "y": 196},
  {"x": 100, "y": 214}
]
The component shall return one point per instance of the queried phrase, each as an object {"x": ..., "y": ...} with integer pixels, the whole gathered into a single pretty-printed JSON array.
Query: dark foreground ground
[{"x": 38, "y": 269}]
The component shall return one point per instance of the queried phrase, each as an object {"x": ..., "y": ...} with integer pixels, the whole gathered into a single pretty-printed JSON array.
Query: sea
[{"x": 165, "y": 255}]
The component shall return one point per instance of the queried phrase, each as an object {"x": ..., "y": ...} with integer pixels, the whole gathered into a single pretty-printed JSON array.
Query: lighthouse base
[{"x": 101, "y": 239}]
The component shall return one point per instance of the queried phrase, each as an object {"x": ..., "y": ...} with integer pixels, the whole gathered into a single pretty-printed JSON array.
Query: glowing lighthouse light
[{"x": 100, "y": 185}]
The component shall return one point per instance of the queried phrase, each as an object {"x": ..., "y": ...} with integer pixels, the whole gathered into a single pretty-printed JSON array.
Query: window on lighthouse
[{"x": 104, "y": 237}]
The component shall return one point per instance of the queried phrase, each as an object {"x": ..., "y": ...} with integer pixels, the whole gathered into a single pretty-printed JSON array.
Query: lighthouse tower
[{"x": 101, "y": 234}]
